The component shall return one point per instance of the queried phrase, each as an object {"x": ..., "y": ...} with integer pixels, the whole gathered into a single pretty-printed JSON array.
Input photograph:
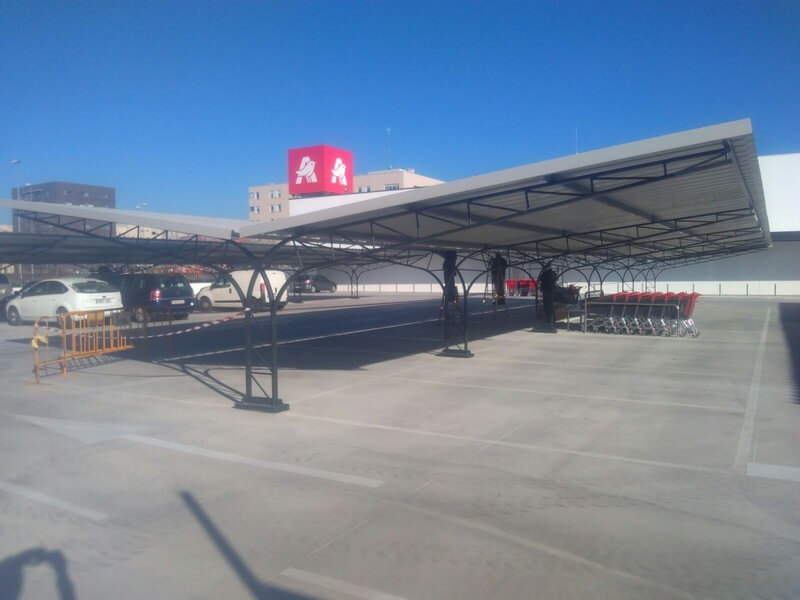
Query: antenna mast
[{"x": 389, "y": 144}]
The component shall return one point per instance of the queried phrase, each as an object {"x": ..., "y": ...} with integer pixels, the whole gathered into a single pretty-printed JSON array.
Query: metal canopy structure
[
  {"x": 68, "y": 248},
  {"x": 667, "y": 199},
  {"x": 641, "y": 207},
  {"x": 663, "y": 201}
]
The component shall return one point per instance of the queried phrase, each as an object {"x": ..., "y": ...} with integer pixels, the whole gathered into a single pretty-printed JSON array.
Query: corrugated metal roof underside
[
  {"x": 50, "y": 249},
  {"x": 683, "y": 195}
]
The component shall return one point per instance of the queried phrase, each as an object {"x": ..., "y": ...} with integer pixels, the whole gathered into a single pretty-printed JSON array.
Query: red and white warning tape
[
  {"x": 205, "y": 325},
  {"x": 188, "y": 329}
]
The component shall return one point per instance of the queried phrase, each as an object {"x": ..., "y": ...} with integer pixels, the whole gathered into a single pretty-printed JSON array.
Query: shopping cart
[
  {"x": 642, "y": 313},
  {"x": 511, "y": 287}
]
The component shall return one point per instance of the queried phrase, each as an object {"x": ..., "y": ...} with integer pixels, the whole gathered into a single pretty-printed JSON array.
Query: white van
[{"x": 222, "y": 294}]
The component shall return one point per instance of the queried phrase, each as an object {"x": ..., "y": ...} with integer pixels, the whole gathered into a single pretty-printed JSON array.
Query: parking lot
[{"x": 547, "y": 466}]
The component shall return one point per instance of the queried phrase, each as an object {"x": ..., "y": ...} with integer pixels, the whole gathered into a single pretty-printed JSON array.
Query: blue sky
[{"x": 183, "y": 105}]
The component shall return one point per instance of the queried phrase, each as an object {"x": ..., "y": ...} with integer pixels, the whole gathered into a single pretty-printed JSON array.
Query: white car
[
  {"x": 52, "y": 297},
  {"x": 221, "y": 294}
]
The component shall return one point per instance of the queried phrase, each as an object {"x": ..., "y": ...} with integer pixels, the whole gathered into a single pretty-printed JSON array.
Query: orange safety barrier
[{"x": 83, "y": 334}]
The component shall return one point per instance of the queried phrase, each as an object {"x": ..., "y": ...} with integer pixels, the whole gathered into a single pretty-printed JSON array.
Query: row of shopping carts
[
  {"x": 520, "y": 287},
  {"x": 643, "y": 313}
]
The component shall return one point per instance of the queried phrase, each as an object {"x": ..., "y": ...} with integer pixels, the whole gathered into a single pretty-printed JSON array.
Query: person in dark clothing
[
  {"x": 449, "y": 276},
  {"x": 497, "y": 267},
  {"x": 547, "y": 283}
]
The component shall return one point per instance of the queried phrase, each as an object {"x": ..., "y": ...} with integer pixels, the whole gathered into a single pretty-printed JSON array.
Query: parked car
[
  {"x": 314, "y": 283},
  {"x": 5, "y": 286},
  {"x": 221, "y": 294},
  {"x": 7, "y": 293},
  {"x": 153, "y": 295},
  {"x": 53, "y": 297}
]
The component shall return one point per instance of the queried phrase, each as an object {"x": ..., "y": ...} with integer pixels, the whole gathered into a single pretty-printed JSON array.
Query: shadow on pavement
[
  {"x": 790, "y": 322},
  {"x": 12, "y": 572},
  {"x": 342, "y": 339},
  {"x": 346, "y": 351},
  {"x": 258, "y": 589},
  {"x": 81, "y": 365}
]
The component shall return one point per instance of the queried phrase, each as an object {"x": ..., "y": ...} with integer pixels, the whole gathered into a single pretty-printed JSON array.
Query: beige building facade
[
  {"x": 132, "y": 231},
  {"x": 270, "y": 202}
]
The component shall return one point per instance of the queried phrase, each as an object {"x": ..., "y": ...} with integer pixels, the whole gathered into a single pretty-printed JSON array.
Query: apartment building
[{"x": 59, "y": 192}]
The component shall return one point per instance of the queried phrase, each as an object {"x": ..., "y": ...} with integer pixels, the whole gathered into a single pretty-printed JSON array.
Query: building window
[
  {"x": 252, "y": 196},
  {"x": 258, "y": 195},
  {"x": 364, "y": 188},
  {"x": 392, "y": 186},
  {"x": 86, "y": 194},
  {"x": 274, "y": 194},
  {"x": 274, "y": 208},
  {"x": 255, "y": 209}
]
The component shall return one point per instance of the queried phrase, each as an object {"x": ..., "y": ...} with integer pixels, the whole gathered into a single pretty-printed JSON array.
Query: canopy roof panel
[
  {"x": 49, "y": 249},
  {"x": 705, "y": 170},
  {"x": 191, "y": 224},
  {"x": 683, "y": 196}
]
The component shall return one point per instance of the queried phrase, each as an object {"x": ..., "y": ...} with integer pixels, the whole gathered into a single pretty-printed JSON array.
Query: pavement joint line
[
  {"x": 550, "y": 550},
  {"x": 517, "y": 428},
  {"x": 607, "y": 367},
  {"x": 363, "y": 378},
  {"x": 479, "y": 348},
  {"x": 781, "y": 472},
  {"x": 400, "y": 337},
  {"x": 348, "y": 531},
  {"x": 318, "y": 337},
  {"x": 337, "y": 585},
  {"x": 393, "y": 507},
  {"x": 340, "y": 350},
  {"x": 255, "y": 462},
  {"x": 713, "y": 408},
  {"x": 88, "y": 513},
  {"x": 518, "y": 445},
  {"x": 495, "y": 532},
  {"x": 139, "y": 395},
  {"x": 361, "y": 381},
  {"x": 295, "y": 308},
  {"x": 745, "y": 447}
]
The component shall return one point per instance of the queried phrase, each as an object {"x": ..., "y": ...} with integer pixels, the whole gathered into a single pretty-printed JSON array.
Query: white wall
[
  {"x": 301, "y": 206},
  {"x": 707, "y": 288},
  {"x": 779, "y": 176}
]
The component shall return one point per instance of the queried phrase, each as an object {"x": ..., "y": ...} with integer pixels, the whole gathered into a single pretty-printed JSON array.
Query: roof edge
[
  {"x": 514, "y": 175},
  {"x": 226, "y": 229}
]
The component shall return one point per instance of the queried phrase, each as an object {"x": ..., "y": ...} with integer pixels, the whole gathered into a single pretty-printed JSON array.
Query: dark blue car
[{"x": 155, "y": 295}]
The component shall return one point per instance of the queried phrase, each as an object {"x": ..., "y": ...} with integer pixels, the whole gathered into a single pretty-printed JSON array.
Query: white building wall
[
  {"x": 301, "y": 206},
  {"x": 779, "y": 176}
]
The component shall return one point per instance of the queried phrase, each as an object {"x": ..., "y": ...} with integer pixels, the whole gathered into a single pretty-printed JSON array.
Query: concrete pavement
[{"x": 548, "y": 466}]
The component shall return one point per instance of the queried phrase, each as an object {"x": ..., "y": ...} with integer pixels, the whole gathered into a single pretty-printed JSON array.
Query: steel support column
[
  {"x": 451, "y": 303},
  {"x": 265, "y": 403}
]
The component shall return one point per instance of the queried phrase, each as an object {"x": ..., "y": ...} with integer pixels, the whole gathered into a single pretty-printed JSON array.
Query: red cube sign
[{"x": 320, "y": 170}]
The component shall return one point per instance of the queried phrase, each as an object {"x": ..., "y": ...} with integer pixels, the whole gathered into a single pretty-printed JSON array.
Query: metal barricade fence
[{"x": 83, "y": 334}]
